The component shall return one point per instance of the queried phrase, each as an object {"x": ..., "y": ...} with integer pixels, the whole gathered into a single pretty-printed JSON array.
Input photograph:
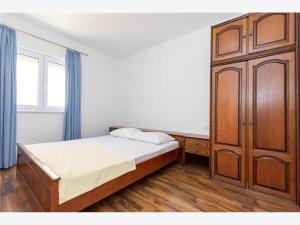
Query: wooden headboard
[{"x": 180, "y": 137}]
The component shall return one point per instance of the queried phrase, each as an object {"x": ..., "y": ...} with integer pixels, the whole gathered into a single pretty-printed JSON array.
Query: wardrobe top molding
[
  {"x": 241, "y": 17},
  {"x": 231, "y": 20}
]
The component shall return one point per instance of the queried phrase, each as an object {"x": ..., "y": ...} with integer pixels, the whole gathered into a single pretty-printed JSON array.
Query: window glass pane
[
  {"x": 27, "y": 80},
  {"x": 56, "y": 85}
]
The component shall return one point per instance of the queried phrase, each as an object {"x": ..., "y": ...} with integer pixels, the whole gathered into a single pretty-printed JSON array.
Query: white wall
[
  {"x": 98, "y": 74},
  {"x": 167, "y": 86},
  {"x": 164, "y": 87}
]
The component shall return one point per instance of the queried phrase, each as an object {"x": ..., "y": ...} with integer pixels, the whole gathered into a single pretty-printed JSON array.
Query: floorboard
[{"x": 172, "y": 189}]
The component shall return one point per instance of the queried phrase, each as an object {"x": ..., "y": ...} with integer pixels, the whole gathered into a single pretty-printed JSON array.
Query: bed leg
[
  {"x": 181, "y": 157},
  {"x": 54, "y": 206}
]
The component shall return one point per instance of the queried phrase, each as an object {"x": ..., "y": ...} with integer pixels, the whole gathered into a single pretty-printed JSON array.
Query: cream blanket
[{"x": 82, "y": 165}]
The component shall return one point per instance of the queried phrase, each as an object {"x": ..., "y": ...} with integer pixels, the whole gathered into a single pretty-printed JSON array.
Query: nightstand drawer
[
  {"x": 197, "y": 150},
  {"x": 195, "y": 145},
  {"x": 199, "y": 143}
]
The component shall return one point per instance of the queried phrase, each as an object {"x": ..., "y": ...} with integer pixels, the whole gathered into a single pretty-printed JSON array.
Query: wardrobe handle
[
  {"x": 251, "y": 124},
  {"x": 243, "y": 123}
]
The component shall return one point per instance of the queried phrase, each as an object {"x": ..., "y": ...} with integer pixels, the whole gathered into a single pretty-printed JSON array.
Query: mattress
[
  {"x": 137, "y": 150},
  {"x": 81, "y": 165},
  {"x": 88, "y": 163}
]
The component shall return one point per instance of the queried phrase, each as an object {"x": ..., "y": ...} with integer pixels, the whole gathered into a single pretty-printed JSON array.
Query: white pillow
[
  {"x": 125, "y": 132},
  {"x": 157, "y": 138}
]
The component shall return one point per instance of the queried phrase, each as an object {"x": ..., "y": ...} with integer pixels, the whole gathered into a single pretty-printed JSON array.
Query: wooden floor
[{"x": 173, "y": 188}]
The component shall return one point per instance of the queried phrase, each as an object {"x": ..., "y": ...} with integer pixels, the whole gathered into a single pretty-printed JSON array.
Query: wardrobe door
[
  {"x": 229, "y": 40},
  {"x": 272, "y": 125},
  {"x": 228, "y": 123},
  {"x": 271, "y": 30}
]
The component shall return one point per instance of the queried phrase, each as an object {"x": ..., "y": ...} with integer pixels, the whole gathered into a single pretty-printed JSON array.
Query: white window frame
[
  {"x": 42, "y": 82},
  {"x": 38, "y": 107}
]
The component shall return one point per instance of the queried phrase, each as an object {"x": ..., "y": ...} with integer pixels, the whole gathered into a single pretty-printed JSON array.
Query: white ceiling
[{"x": 119, "y": 35}]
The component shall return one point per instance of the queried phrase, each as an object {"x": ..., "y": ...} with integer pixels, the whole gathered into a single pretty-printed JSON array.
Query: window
[{"x": 40, "y": 82}]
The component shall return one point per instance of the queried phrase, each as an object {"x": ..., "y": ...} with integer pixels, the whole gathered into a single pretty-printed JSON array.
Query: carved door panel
[
  {"x": 271, "y": 30},
  {"x": 272, "y": 125},
  {"x": 228, "y": 123},
  {"x": 229, "y": 40}
]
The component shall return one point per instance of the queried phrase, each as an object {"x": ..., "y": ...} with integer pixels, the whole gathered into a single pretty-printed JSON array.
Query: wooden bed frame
[{"x": 44, "y": 183}]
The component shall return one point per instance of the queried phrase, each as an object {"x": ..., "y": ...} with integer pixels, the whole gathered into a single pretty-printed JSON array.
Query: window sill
[{"x": 40, "y": 111}]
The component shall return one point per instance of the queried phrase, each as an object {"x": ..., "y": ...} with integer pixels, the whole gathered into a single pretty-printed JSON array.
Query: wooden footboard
[
  {"x": 142, "y": 170},
  {"x": 44, "y": 183},
  {"x": 41, "y": 179}
]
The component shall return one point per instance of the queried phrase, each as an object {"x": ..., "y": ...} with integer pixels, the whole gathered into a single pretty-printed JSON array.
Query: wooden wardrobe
[{"x": 254, "y": 103}]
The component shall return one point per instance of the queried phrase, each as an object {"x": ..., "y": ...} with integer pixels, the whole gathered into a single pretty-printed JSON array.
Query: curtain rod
[{"x": 52, "y": 42}]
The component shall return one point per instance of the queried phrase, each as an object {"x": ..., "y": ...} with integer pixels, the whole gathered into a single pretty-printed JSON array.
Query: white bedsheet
[
  {"x": 81, "y": 165},
  {"x": 137, "y": 150},
  {"x": 87, "y": 163}
]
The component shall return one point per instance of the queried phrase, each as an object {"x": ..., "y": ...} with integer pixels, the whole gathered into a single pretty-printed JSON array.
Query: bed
[{"x": 58, "y": 193}]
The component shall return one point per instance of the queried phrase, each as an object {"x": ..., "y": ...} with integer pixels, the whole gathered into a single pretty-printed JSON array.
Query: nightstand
[{"x": 197, "y": 145}]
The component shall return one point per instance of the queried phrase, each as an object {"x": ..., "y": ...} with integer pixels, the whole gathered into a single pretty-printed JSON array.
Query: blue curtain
[
  {"x": 72, "y": 128},
  {"x": 7, "y": 97}
]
